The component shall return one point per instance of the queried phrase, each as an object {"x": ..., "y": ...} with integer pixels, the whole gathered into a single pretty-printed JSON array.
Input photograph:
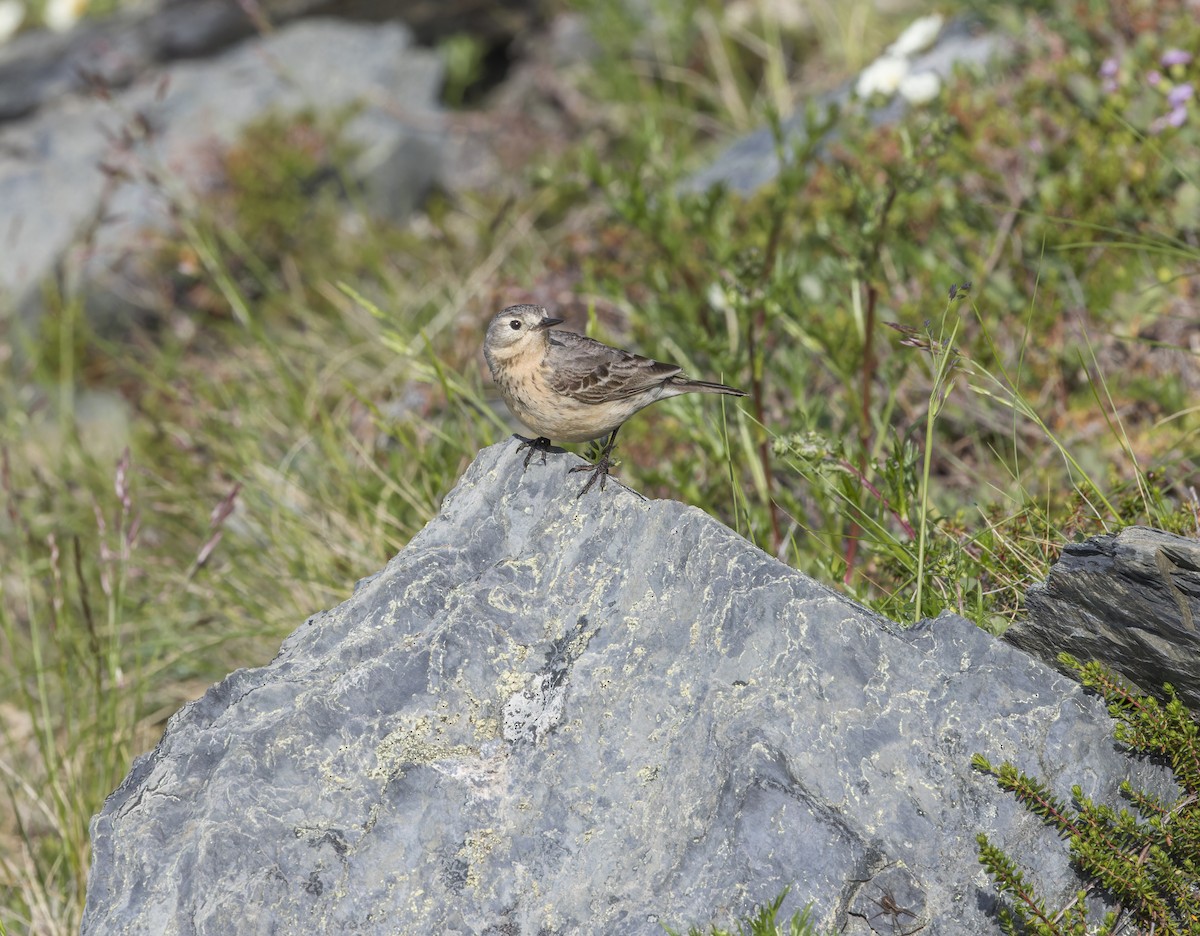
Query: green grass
[
  {"x": 315, "y": 387},
  {"x": 763, "y": 921}
]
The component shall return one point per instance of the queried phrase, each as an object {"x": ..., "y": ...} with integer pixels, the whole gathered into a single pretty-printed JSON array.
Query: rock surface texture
[
  {"x": 1131, "y": 599},
  {"x": 559, "y": 716}
]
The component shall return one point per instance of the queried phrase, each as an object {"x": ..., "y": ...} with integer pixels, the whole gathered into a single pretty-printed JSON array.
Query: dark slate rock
[
  {"x": 551, "y": 716},
  {"x": 753, "y": 161},
  {"x": 1130, "y": 599}
]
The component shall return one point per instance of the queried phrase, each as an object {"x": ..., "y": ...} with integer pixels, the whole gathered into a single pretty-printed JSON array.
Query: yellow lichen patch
[{"x": 414, "y": 743}]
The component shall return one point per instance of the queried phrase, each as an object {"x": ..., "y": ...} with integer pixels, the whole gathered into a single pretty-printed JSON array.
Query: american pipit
[{"x": 568, "y": 387}]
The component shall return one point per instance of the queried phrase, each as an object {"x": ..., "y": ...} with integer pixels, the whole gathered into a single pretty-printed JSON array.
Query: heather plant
[{"x": 1145, "y": 861}]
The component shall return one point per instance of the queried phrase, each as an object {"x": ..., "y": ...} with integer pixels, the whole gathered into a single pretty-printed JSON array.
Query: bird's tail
[{"x": 705, "y": 386}]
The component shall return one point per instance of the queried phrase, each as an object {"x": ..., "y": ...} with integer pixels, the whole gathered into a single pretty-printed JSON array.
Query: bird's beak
[{"x": 548, "y": 323}]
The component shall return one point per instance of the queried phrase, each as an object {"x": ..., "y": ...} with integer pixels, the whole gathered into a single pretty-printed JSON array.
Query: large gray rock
[
  {"x": 1130, "y": 599},
  {"x": 556, "y": 716},
  {"x": 96, "y": 174}
]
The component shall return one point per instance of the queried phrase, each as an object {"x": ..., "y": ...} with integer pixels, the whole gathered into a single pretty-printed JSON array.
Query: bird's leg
[
  {"x": 540, "y": 444},
  {"x": 601, "y": 466}
]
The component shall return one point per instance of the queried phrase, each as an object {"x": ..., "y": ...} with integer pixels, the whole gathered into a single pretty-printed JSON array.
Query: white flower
[
  {"x": 882, "y": 76},
  {"x": 61, "y": 15},
  {"x": 919, "y": 36},
  {"x": 12, "y": 12},
  {"x": 718, "y": 296},
  {"x": 920, "y": 88}
]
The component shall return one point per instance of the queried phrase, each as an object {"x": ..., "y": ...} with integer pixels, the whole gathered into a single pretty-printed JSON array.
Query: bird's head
[{"x": 517, "y": 328}]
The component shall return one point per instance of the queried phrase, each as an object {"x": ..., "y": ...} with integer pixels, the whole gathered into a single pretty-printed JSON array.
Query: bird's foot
[
  {"x": 599, "y": 471},
  {"x": 540, "y": 444}
]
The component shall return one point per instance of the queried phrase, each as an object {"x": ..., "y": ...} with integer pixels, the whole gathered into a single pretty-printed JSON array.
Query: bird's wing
[{"x": 591, "y": 372}]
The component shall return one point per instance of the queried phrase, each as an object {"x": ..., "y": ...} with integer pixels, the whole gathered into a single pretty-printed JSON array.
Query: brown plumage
[{"x": 571, "y": 388}]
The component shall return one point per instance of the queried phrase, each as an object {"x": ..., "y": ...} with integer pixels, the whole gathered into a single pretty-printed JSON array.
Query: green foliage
[
  {"x": 788, "y": 290},
  {"x": 463, "y": 56},
  {"x": 85, "y": 720},
  {"x": 764, "y": 921},
  {"x": 278, "y": 182},
  {"x": 282, "y": 200},
  {"x": 949, "y": 483},
  {"x": 1146, "y": 861}
]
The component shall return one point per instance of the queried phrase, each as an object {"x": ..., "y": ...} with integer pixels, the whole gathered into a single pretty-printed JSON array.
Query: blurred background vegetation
[{"x": 968, "y": 339}]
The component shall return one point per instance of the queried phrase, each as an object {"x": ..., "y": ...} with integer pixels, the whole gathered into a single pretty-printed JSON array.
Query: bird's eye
[{"x": 514, "y": 325}]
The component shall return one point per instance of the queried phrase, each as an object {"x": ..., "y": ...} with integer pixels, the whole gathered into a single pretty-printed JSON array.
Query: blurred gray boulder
[{"x": 88, "y": 184}]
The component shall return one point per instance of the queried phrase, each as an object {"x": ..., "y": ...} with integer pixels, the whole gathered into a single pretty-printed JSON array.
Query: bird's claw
[
  {"x": 540, "y": 444},
  {"x": 598, "y": 470}
]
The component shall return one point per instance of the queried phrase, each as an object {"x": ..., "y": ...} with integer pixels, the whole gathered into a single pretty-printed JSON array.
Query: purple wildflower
[
  {"x": 1153, "y": 78},
  {"x": 1108, "y": 75},
  {"x": 1175, "y": 57},
  {"x": 1179, "y": 95},
  {"x": 1177, "y": 117}
]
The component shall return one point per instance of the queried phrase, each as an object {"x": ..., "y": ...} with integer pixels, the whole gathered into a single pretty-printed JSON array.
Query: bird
[{"x": 572, "y": 388}]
